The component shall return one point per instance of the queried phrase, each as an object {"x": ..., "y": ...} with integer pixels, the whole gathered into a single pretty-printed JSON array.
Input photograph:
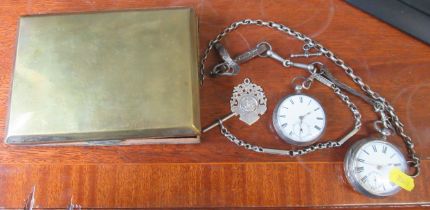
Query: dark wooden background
[{"x": 216, "y": 173}]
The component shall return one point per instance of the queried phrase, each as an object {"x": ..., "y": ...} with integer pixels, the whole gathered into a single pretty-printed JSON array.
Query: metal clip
[
  {"x": 316, "y": 69},
  {"x": 230, "y": 66},
  {"x": 285, "y": 62},
  {"x": 308, "y": 82},
  {"x": 384, "y": 130}
]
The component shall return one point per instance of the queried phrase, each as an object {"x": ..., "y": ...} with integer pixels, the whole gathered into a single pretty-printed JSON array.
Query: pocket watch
[
  {"x": 368, "y": 164},
  {"x": 299, "y": 119}
]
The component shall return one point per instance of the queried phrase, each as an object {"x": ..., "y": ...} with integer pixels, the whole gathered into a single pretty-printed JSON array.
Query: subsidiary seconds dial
[{"x": 299, "y": 119}]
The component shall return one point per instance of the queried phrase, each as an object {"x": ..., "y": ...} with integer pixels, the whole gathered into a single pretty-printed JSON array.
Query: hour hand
[{"x": 303, "y": 116}]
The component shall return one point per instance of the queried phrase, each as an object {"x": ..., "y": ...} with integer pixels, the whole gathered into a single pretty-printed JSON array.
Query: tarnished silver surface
[
  {"x": 306, "y": 52},
  {"x": 311, "y": 148},
  {"x": 350, "y": 166},
  {"x": 216, "y": 123},
  {"x": 248, "y": 101},
  {"x": 230, "y": 66},
  {"x": 381, "y": 105}
]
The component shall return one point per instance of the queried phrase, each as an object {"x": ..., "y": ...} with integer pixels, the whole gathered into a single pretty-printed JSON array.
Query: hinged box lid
[{"x": 106, "y": 76}]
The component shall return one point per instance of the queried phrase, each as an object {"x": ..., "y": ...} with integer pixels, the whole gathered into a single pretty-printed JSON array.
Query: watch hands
[
  {"x": 379, "y": 166},
  {"x": 301, "y": 124},
  {"x": 303, "y": 116},
  {"x": 301, "y": 121}
]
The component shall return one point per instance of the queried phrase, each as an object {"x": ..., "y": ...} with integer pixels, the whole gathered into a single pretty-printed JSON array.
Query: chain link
[
  {"x": 382, "y": 103},
  {"x": 305, "y": 150},
  {"x": 382, "y": 106},
  {"x": 293, "y": 153}
]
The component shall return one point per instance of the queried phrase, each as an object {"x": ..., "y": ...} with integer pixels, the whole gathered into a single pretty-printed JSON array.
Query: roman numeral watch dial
[
  {"x": 368, "y": 164},
  {"x": 299, "y": 119}
]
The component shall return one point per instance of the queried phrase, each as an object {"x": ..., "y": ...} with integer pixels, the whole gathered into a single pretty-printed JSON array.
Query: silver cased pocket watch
[
  {"x": 299, "y": 119},
  {"x": 368, "y": 164}
]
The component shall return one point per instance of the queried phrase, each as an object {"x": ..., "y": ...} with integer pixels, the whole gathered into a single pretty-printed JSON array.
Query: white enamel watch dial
[
  {"x": 368, "y": 164},
  {"x": 299, "y": 119}
]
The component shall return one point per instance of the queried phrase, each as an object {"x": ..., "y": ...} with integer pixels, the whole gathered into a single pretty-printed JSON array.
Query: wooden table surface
[{"x": 217, "y": 173}]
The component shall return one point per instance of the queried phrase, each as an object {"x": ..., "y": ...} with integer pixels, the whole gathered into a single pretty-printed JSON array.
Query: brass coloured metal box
[{"x": 120, "y": 77}]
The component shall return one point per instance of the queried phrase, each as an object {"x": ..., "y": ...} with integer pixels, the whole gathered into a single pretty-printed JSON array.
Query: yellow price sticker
[{"x": 401, "y": 179}]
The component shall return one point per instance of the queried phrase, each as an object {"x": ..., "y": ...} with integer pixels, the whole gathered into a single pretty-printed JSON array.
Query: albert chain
[{"x": 389, "y": 118}]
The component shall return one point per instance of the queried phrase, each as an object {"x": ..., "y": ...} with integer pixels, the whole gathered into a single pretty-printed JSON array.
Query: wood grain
[{"x": 216, "y": 173}]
